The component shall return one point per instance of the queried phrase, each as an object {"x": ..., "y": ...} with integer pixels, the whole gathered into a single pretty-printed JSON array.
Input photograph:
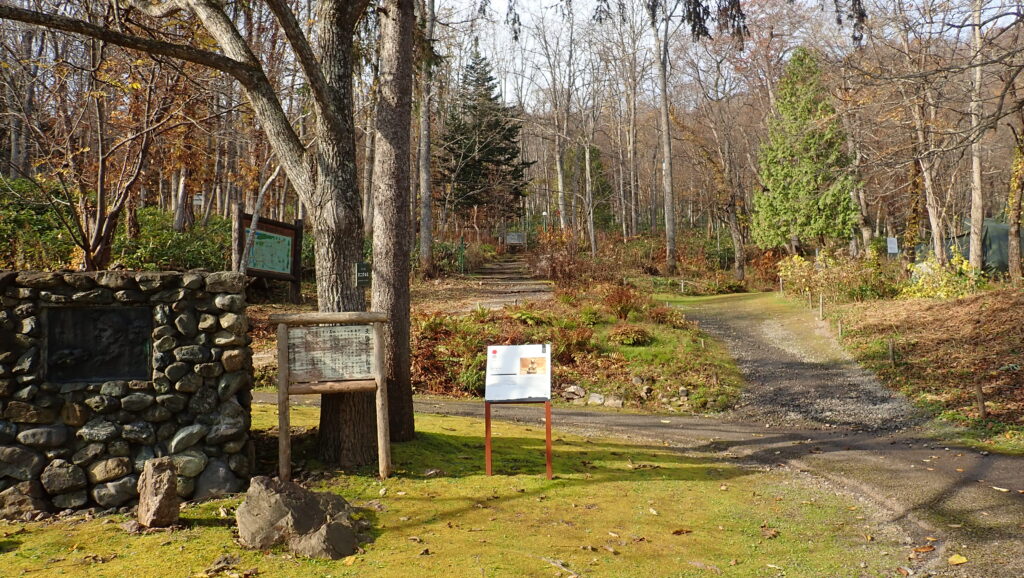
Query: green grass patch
[{"x": 614, "y": 509}]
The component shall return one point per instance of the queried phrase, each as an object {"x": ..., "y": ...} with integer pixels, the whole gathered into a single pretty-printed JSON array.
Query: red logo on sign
[{"x": 494, "y": 351}]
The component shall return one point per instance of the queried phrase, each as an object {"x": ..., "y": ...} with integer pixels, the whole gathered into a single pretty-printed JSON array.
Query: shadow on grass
[
  {"x": 9, "y": 545},
  {"x": 576, "y": 464}
]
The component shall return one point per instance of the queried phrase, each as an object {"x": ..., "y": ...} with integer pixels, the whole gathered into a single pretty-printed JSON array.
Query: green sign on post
[
  {"x": 270, "y": 252},
  {"x": 276, "y": 251}
]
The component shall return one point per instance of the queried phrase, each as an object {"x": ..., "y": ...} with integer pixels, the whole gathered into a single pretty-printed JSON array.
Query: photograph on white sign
[{"x": 518, "y": 373}]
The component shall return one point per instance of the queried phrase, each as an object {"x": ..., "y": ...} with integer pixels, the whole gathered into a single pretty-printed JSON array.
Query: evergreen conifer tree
[
  {"x": 803, "y": 165},
  {"x": 479, "y": 156}
]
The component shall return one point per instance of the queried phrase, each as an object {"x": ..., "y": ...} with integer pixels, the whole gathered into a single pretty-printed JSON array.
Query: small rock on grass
[{"x": 158, "y": 494}]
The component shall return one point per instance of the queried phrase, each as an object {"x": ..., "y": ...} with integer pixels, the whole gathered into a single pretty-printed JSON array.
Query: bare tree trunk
[
  {"x": 560, "y": 177},
  {"x": 426, "y": 188},
  {"x": 977, "y": 251},
  {"x": 589, "y": 199},
  {"x": 661, "y": 46},
  {"x": 180, "y": 201},
  {"x": 1014, "y": 209},
  {"x": 736, "y": 234},
  {"x": 392, "y": 239}
]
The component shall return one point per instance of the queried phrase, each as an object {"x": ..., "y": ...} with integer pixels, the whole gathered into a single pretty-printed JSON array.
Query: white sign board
[
  {"x": 892, "y": 245},
  {"x": 518, "y": 373},
  {"x": 515, "y": 238}
]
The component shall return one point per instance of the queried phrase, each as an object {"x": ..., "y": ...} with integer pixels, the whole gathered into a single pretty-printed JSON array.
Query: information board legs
[
  {"x": 487, "y": 437},
  {"x": 547, "y": 432},
  {"x": 547, "y": 438}
]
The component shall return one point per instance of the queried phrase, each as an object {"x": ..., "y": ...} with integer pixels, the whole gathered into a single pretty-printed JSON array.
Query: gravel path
[{"x": 797, "y": 375}]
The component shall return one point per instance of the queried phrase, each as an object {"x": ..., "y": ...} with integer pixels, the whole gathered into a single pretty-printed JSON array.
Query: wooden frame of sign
[
  {"x": 330, "y": 353},
  {"x": 487, "y": 435},
  {"x": 241, "y": 221}
]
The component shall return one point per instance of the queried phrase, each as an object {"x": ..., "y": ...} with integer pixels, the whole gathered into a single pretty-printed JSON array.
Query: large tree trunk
[
  {"x": 426, "y": 188},
  {"x": 347, "y": 422},
  {"x": 392, "y": 239}
]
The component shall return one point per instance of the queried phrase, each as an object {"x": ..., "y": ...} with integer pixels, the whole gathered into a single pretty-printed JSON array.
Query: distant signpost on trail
[
  {"x": 515, "y": 239},
  {"x": 276, "y": 251},
  {"x": 518, "y": 374}
]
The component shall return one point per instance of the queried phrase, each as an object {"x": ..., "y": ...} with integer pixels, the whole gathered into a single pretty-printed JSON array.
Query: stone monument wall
[{"x": 100, "y": 372}]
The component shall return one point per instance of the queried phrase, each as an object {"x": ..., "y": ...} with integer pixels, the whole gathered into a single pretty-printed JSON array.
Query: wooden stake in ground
[{"x": 979, "y": 394}]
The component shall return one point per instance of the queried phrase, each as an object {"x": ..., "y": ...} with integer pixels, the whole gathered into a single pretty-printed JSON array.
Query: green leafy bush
[
  {"x": 632, "y": 335},
  {"x": 159, "y": 246},
  {"x": 32, "y": 232},
  {"x": 930, "y": 279},
  {"x": 842, "y": 278},
  {"x": 591, "y": 316}
]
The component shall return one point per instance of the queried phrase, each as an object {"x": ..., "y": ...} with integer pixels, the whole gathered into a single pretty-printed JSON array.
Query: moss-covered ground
[{"x": 613, "y": 509}]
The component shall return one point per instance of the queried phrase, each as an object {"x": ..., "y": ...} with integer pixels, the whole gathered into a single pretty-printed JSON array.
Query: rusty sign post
[{"x": 330, "y": 353}]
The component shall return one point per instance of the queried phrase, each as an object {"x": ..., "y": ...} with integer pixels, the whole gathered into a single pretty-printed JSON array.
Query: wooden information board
[
  {"x": 321, "y": 353},
  {"x": 330, "y": 352},
  {"x": 276, "y": 251}
]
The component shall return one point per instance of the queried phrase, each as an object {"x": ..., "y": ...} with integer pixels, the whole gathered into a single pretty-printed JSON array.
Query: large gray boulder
[
  {"x": 313, "y": 524},
  {"x": 158, "y": 494}
]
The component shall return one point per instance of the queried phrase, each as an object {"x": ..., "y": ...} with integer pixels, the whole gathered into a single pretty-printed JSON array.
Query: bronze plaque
[
  {"x": 330, "y": 353},
  {"x": 98, "y": 343}
]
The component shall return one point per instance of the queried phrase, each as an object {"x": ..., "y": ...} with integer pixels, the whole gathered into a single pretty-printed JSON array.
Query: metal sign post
[{"x": 330, "y": 353}]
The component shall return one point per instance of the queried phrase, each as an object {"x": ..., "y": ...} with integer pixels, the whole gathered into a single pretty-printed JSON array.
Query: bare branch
[{"x": 242, "y": 71}]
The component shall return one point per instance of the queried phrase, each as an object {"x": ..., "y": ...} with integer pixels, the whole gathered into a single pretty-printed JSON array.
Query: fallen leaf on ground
[
  {"x": 923, "y": 549},
  {"x": 998, "y": 489},
  {"x": 956, "y": 560},
  {"x": 652, "y": 511},
  {"x": 681, "y": 531},
  {"x": 769, "y": 532}
]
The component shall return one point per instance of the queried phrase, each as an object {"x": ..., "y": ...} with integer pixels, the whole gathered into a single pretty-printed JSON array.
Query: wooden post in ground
[
  {"x": 980, "y": 395},
  {"x": 821, "y": 307},
  {"x": 547, "y": 431},
  {"x": 487, "y": 437},
  {"x": 284, "y": 442},
  {"x": 892, "y": 352},
  {"x": 383, "y": 427}
]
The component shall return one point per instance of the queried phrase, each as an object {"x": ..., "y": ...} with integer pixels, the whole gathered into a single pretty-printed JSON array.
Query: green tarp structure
[{"x": 995, "y": 240}]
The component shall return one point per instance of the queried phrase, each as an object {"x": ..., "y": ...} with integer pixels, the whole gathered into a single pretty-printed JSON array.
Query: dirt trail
[
  {"x": 797, "y": 375},
  {"x": 495, "y": 285}
]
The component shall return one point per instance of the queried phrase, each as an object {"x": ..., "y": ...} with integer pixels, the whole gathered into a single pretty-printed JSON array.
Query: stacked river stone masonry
[{"x": 73, "y": 433}]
